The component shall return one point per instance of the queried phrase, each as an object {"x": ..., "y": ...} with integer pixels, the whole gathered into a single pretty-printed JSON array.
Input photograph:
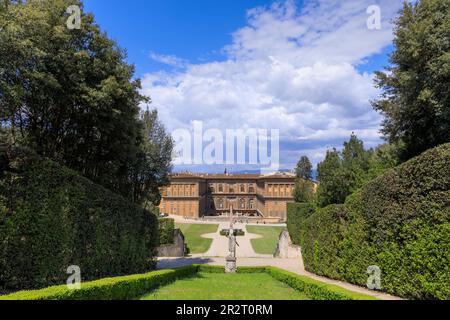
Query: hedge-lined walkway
[
  {"x": 247, "y": 257},
  {"x": 292, "y": 265}
]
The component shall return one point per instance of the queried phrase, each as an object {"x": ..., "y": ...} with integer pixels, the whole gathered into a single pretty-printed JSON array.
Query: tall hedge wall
[
  {"x": 399, "y": 222},
  {"x": 296, "y": 215},
  {"x": 51, "y": 218}
]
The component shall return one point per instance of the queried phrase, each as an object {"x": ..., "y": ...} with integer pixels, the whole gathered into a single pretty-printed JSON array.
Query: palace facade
[{"x": 198, "y": 195}]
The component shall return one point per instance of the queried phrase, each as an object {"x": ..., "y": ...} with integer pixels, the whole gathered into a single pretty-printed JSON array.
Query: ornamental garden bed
[
  {"x": 237, "y": 232},
  {"x": 198, "y": 282}
]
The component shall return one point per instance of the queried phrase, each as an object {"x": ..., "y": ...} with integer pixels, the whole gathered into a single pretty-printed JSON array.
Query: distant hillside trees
[
  {"x": 416, "y": 90},
  {"x": 70, "y": 96}
]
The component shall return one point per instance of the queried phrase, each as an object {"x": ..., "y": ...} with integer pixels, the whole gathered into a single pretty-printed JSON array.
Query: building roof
[{"x": 232, "y": 176}]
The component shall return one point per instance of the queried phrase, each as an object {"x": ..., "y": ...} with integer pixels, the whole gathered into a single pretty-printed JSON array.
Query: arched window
[
  {"x": 220, "y": 203},
  {"x": 242, "y": 188}
]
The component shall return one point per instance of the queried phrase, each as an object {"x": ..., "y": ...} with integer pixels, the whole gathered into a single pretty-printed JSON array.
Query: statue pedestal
[{"x": 230, "y": 265}]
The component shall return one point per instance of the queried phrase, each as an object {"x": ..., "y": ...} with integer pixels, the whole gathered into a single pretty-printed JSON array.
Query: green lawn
[
  {"x": 268, "y": 243},
  {"x": 193, "y": 235},
  {"x": 217, "y": 286}
]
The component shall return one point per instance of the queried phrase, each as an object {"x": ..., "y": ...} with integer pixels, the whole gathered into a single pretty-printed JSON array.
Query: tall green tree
[
  {"x": 416, "y": 91},
  {"x": 355, "y": 162},
  {"x": 342, "y": 173},
  {"x": 304, "y": 168},
  {"x": 304, "y": 187},
  {"x": 154, "y": 161},
  {"x": 333, "y": 183},
  {"x": 70, "y": 95}
]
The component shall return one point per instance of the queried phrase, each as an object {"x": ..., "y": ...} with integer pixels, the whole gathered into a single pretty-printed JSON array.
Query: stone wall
[
  {"x": 177, "y": 249},
  {"x": 285, "y": 248}
]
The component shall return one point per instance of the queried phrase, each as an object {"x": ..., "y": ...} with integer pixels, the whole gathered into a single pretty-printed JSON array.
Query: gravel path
[{"x": 219, "y": 246}]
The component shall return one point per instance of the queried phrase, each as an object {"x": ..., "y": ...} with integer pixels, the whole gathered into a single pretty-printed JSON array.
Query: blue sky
[
  {"x": 302, "y": 67},
  {"x": 194, "y": 30}
]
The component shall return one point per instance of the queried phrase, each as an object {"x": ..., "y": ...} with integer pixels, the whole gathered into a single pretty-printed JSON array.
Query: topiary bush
[
  {"x": 399, "y": 222},
  {"x": 52, "y": 218},
  {"x": 166, "y": 228}
]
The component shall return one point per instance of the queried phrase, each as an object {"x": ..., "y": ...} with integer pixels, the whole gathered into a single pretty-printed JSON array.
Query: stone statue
[
  {"x": 230, "y": 266},
  {"x": 232, "y": 242}
]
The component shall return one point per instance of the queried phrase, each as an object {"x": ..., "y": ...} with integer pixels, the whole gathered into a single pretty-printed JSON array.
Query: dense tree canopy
[
  {"x": 154, "y": 159},
  {"x": 355, "y": 162},
  {"x": 69, "y": 95},
  {"x": 343, "y": 173},
  {"x": 416, "y": 90},
  {"x": 333, "y": 185}
]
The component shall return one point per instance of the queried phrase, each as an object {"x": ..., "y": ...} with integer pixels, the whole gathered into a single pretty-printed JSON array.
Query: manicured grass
[
  {"x": 268, "y": 243},
  {"x": 216, "y": 286},
  {"x": 193, "y": 235},
  {"x": 198, "y": 282}
]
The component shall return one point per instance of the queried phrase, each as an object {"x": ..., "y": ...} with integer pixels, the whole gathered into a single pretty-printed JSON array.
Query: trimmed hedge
[
  {"x": 399, "y": 222},
  {"x": 315, "y": 289},
  {"x": 119, "y": 288},
  {"x": 52, "y": 218},
  {"x": 166, "y": 227},
  {"x": 132, "y": 287},
  {"x": 237, "y": 232},
  {"x": 297, "y": 213}
]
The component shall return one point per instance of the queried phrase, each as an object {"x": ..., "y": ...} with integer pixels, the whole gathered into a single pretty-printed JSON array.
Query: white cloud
[
  {"x": 293, "y": 69},
  {"x": 169, "y": 60}
]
